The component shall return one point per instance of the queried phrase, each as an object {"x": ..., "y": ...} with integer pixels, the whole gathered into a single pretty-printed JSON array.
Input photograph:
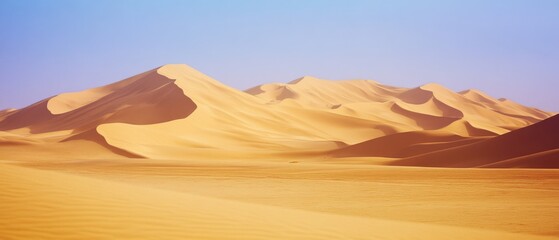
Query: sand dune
[
  {"x": 175, "y": 112},
  {"x": 427, "y": 100},
  {"x": 4, "y": 113},
  {"x": 173, "y": 154},
  {"x": 144, "y": 99},
  {"x": 543, "y": 159},
  {"x": 503, "y": 106},
  {"x": 404, "y": 145},
  {"x": 519, "y": 148}
]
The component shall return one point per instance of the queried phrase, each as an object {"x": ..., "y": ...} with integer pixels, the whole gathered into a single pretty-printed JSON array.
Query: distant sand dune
[
  {"x": 176, "y": 112},
  {"x": 173, "y": 154},
  {"x": 520, "y": 148},
  {"x": 401, "y": 145}
]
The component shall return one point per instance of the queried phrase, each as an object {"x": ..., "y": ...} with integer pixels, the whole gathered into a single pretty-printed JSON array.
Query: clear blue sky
[{"x": 508, "y": 48}]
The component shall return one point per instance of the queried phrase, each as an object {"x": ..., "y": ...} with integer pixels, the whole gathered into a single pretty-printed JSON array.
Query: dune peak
[
  {"x": 317, "y": 110},
  {"x": 174, "y": 71},
  {"x": 473, "y": 91},
  {"x": 173, "y": 135},
  {"x": 305, "y": 79},
  {"x": 434, "y": 87}
]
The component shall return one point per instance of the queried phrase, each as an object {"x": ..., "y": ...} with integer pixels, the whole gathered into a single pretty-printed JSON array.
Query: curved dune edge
[
  {"x": 109, "y": 210},
  {"x": 427, "y": 100},
  {"x": 504, "y": 106},
  {"x": 146, "y": 98},
  {"x": 175, "y": 111},
  {"x": 466, "y": 129},
  {"x": 67, "y": 102},
  {"x": 397, "y": 145},
  {"x": 424, "y": 121},
  {"x": 512, "y": 149},
  {"x": 6, "y": 112},
  {"x": 544, "y": 159},
  {"x": 94, "y": 136}
]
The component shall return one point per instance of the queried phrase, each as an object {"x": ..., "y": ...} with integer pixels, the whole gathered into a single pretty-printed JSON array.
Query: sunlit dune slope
[
  {"x": 143, "y": 99},
  {"x": 534, "y": 146},
  {"x": 177, "y": 112},
  {"x": 504, "y": 106},
  {"x": 430, "y": 106},
  {"x": 232, "y": 122}
]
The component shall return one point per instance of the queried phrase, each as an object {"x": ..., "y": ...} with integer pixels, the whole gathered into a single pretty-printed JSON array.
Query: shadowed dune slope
[
  {"x": 403, "y": 145},
  {"x": 233, "y": 123},
  {"x": 532, "y": 146},
  {"x": 6, "y": 112},
  {"x": 177, "y": 112},
  {"x": 430, "y": 106},
  {"x": 504, "y": 106},
  {"x": 544, "y": 159},
  {"x": 146, "y": 98}
]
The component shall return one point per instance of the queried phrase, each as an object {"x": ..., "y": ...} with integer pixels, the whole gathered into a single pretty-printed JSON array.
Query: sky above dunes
[{"x": 506, "y": 48}]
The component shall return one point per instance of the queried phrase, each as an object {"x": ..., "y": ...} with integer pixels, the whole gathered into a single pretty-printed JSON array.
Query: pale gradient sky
[{"x": 507, "y": 48}]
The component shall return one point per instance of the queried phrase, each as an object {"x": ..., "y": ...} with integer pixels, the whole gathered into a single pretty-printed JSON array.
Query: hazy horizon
[{"x": 505, "y": 48}]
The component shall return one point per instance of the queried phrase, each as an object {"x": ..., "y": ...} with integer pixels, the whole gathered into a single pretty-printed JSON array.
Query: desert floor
[{"x": 229, "y": 199}]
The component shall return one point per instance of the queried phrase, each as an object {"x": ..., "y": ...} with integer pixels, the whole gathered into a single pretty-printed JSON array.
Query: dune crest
[
  {"x": 177, "y": 112},
  {"x": 173, "y": 154},
  {"x": 532, "y": 146}
]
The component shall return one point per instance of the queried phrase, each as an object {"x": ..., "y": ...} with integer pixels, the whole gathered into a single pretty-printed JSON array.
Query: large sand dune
[
  {"x": 174, "y": 154},
  {"x": 532, "y": 146},
  {"x": 175, "y": 112}
]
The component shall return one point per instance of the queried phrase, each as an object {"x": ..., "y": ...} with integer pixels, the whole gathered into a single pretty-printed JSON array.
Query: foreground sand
[{"x": 157, "y": 199}]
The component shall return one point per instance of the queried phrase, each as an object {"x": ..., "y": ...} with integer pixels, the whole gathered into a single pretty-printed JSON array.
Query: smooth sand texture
[
  {"x": 174, "y": 154},
  {"x": 521, "y": 148},
  {"x": 176, "y": 112},
  {"x": 48, "y": 205},
  {"x": 405, "y": 144}
]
